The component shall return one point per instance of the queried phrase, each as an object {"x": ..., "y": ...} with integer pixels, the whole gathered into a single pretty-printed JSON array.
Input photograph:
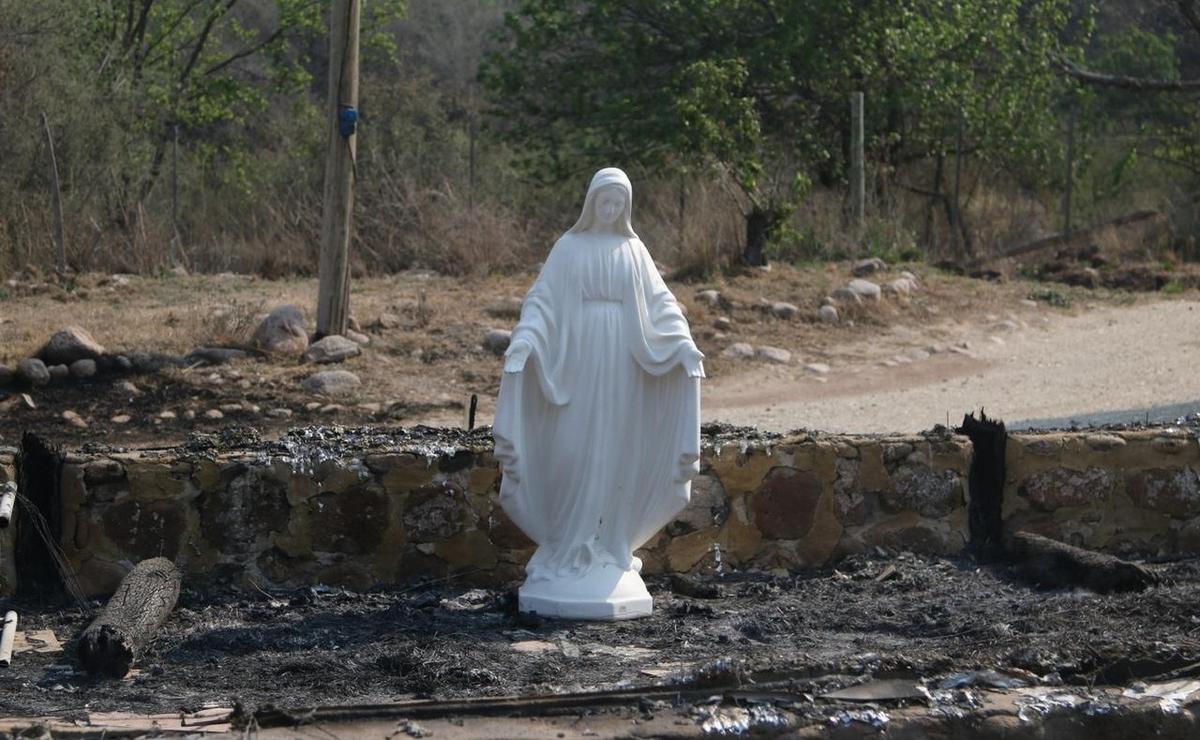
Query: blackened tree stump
[
  {"x": 115, "y": 640},
  {"x": 1055, "y": 564}
]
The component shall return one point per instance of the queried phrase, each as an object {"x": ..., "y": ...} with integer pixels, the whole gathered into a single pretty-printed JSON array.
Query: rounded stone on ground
[
  {"x": 166, "y": 414},
  {"x": 774, "y": 354},
  {"x": 33, "y": 371},
  {"x": 214, "y": 414},
  {"x": 828, "y": 314},
  {"x": 387, "y": 321},
  {"x": 709, "y": 297},
  {"x": 83, "y": 369},
  {"x": 868, "y": 266},
  {"x": 845, "y": 296},
  {"x": 817, "y": 368},
  {"x": 739, "y": 351},
  {"x": 785, "y": 310},
  {"x": 496, "y": 341},
  {"x": 279, "y": 413},
  {"x": 283, "y": 332},
  {"x": 121, "y": 419},
  {"x": 332, "y": 383},
  {"x": 358, "y": 337},
  {"x": 900, "y": 287},
  {"x": 723, "y": 323},
  {"x": 74, "y": 419},
  {"x": 68, "y": 345},
  {"x": 865, "y": 289},
  {"x": 330, "y": 349},
  {"x": 58, "y": 372}
]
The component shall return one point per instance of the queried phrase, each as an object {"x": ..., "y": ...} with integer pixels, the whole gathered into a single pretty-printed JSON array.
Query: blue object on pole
[{"x": 347, "y": 121}]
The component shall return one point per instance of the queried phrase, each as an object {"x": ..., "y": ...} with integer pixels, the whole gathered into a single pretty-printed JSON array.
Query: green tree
[
  {"x": 757, "y": 89},
  {"x": 1138, "y": 75}
]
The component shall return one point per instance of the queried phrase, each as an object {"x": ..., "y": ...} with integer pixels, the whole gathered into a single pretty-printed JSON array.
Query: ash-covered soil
[{"x": 869, "y": 616}]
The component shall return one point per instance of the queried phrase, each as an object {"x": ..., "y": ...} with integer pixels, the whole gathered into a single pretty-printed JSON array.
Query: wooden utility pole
[
  {"x": 60, "y": 243},
  {"x": 333, "y": 299},
  {"x": 858, "y": 178}
]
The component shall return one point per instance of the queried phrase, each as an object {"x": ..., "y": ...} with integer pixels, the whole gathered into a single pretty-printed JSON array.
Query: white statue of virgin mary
[{"x": 597, "y": 425}]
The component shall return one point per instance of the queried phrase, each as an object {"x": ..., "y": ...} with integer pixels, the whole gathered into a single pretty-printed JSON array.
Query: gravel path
[{"x": 1106, "y": 364}]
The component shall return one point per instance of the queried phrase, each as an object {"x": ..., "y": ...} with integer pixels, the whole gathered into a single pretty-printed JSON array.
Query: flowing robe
[{"x": 599, "y": 434}]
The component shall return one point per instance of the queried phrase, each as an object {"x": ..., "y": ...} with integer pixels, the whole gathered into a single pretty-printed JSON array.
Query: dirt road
[{"x": 1038, "y": 365}]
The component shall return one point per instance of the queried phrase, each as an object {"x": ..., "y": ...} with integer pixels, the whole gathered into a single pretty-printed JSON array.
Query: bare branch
[
  {"x": 244, "y": 52},
  {"x": 1128, "y": 83},
  {"x": 202, "y": 40},
  {"x": 166, "y": 32}
]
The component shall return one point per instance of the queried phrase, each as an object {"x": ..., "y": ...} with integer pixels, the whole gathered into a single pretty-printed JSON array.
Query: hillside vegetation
[{"x": 191, "y": 131}]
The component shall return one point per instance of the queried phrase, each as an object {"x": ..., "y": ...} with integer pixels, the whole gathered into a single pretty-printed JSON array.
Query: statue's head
[{"x": 608, "y": 207}]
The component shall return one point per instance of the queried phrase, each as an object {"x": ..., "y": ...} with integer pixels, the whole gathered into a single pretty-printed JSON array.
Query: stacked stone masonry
[
  {"x": 1121, "y": 492},
  {"x": 382, "y": 517}
]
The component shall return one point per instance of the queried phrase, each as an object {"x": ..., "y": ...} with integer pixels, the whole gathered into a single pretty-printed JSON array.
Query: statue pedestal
[{"x": 604, "y": 593}]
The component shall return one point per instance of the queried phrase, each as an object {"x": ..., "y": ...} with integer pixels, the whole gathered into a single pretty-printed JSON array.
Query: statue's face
[{"x": 610, "y": 202}]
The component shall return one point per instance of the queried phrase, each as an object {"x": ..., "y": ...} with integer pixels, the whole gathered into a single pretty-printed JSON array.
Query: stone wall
[
  {"x": 1127, "y": 491},
  {"x": 382, "y": 516},
  {"x": 383, "y": 510}
]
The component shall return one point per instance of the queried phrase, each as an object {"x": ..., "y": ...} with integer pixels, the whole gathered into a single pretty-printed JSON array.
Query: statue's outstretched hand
[
  {"x": 510, "y": 471},
  {"x": 518, "y": 353},
  {"x": 687, "y": 467},
  {"x": 693, "y": 362}
]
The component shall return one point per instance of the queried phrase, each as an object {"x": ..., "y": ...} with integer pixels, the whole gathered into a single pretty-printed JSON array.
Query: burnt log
[
  {"x": 1055, "y": 564},
  {"x": 116, "y": 639}
]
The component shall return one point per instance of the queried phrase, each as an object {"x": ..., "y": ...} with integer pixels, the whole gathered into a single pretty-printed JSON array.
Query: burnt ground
[{"x": 876, "y": 615}]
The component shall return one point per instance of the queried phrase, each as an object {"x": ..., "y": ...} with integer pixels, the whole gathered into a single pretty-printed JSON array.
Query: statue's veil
[{"x": 603, "y": 178}]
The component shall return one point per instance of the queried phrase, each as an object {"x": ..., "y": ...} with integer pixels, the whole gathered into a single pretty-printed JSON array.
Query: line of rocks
[
  {"x": 69, "y": 354},
  {"x": 284, "y": 333}
]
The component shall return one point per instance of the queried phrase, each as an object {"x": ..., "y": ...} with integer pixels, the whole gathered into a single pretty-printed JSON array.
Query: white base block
[{"x": 605, "y": 593}]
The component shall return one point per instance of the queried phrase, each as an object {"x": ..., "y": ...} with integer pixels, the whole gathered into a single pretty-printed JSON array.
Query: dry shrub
[
  {"x": 409, "y": 225},
  {"x": 1001, "y": 218},
  {"x": 230, "y": 325},
  {"x": 694, "y": 226}
]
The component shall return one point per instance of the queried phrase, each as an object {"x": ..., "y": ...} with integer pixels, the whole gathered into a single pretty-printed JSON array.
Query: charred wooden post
[
  {"x": 7, "y": 638},
  {"x": 38, "y": 520},
  {"x": 116, "y": 639},
  {"x": 1048, "y": 562},
  {"x": 8, "y": 499},
  {"x": 989, "y": 446}
]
